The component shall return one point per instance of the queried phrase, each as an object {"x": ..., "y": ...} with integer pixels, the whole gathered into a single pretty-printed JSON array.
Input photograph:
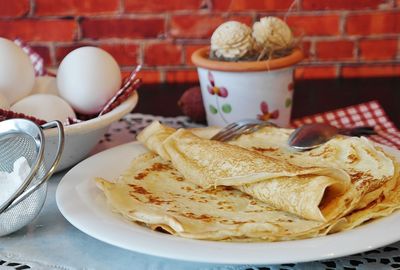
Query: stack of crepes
[{"x": 254, "y": 188}]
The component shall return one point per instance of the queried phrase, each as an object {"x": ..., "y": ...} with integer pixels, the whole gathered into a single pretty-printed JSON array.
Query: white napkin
[{"x": 10, "y": 182}]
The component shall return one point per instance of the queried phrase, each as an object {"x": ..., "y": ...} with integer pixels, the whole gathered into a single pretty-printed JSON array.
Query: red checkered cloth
[
  {"x": 364, "y": 114},
  {"x": 36, "y": 59}
]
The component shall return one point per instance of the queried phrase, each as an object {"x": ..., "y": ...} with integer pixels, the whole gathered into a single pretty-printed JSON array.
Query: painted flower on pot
[
  {"x": 215, "y": 90},
  {"x": 219, "y": 92},
  {"x": 288, "y": 101},
  {"x": 266, "y": 114}
]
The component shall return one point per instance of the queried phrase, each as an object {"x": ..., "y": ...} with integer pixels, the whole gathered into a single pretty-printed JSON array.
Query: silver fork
[{"x": 238, "y": 128}]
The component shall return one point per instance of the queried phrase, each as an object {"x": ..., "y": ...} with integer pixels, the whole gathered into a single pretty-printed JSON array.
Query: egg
[
  {"x": 17, "y": 74},
  {"x": 87, "y": 78},
  {"x": 44, "y": 106},
  {"x": 45, "y": 85},
  {"x": 4, "y": 103}
]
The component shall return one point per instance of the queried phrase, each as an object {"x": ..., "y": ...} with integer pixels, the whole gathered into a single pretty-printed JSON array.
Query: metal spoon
[{"x": 310, "y": 136}]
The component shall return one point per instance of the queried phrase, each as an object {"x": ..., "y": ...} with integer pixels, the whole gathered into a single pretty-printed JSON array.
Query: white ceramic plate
[{"x": 84, "y": 206}]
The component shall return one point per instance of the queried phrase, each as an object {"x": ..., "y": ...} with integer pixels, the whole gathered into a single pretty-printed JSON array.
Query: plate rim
[{"x": 319, "y": 248}]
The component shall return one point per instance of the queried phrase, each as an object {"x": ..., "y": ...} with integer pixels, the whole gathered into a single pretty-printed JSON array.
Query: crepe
[
  {"x": 372, "y": 171},
  {"x": 151, "y": 192},
  {"x": 316, "y": 193},
  {"x": 159, "y": 194},
  {"x": 155, "y": 194}
]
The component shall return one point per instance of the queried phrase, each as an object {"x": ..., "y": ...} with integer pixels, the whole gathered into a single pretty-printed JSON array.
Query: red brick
[
  {"x": 371, "y": 71},
  {"x": 75, "y": 7},
  {"x": 373, "y": 23},
  {"x": 44, "y": 52},
  {"x": 35, "y": 30},
  {"x": 335, "y": 50},
  {"x": 246, "y": 5},
  {"x": 122, "y": 28},
  {"x": 162, "y": 54},
  {"x": 15, "y": 8},
  {"x": 124, "y": 54},
  {"x": 314, "y": 25},
  {"x": 378, "y": 49},
  {"x": 150, "y": 76},
  {"x": 200, "y": 26},
  {"x": 243, "y": 19},
  {"x": 320, "y": 72},
  {"x": 306, "y": 46},
  {"x": 340, "y": 4},
  {"x": 62, "y": 51},
  {"x": 182, "y": 76},
  {"x": 154, "y": 6},
  {"x": 189, "y": 50}
]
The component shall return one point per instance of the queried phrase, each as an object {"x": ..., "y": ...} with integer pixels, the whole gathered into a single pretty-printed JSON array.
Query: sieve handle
[
  {"x": 60, "y": 146},
  {"x": 56, "y": 161}
]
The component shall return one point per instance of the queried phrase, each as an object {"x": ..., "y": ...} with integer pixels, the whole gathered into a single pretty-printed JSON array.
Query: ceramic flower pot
[{"x": 234, "y": 91}]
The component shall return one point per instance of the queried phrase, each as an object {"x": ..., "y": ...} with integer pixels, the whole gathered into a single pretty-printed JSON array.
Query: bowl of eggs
[{"x": 87, "y": 95}]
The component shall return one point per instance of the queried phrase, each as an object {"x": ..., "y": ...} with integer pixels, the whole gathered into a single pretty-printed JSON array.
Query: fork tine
[
  {"x": 236, "y": 133},
  {"x": 235, "y": 129},
  {"x": 228, "y": 133},
  {"x": 250, "y": 128},
  {"x": 253, "y": 129},
  {"x": 225, "y": 130},
  {"x": 266, "y": 124},
  {"x": 240, "y": 132}
]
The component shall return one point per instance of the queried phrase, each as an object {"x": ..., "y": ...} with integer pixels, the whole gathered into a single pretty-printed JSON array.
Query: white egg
[
  {"x": 45, "y": 85},
  {"x": 87, "y": 78},
  {"x": 44, "y": 106},
  {"x": 17, "y": 75},
  {"x": 4, "y": 103}
]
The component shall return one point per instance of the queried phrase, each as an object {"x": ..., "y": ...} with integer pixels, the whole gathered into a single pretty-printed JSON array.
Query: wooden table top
[{"x": 310, "y": 96}]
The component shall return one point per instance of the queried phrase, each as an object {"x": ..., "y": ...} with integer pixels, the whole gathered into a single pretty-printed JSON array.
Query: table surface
[{"x": 50, "y": 242}]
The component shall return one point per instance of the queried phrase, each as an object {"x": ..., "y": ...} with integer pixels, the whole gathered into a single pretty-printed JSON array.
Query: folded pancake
[
  {"x": 152, "y": 192},
  {"x": 387, "y": 202},
  {"x": 372, "y": 171},
  {"x": 316, "y": 192}
]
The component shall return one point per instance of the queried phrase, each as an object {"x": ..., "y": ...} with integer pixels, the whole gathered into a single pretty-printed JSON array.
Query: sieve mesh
[
  {"x": 21, "y": 145},
  {"x": 23, "y": 138},
  {"x": 24, "y": 212}
]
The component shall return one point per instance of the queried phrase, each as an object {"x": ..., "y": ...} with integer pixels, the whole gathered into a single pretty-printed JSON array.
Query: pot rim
[{"x": 200, "y": 59}]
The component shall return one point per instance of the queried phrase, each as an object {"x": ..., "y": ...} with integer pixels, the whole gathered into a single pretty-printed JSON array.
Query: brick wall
[{"x": 342, "y": 38}]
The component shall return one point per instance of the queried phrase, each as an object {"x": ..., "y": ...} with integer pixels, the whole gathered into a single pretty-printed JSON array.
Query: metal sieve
[{"x": 24, "y": 138}]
